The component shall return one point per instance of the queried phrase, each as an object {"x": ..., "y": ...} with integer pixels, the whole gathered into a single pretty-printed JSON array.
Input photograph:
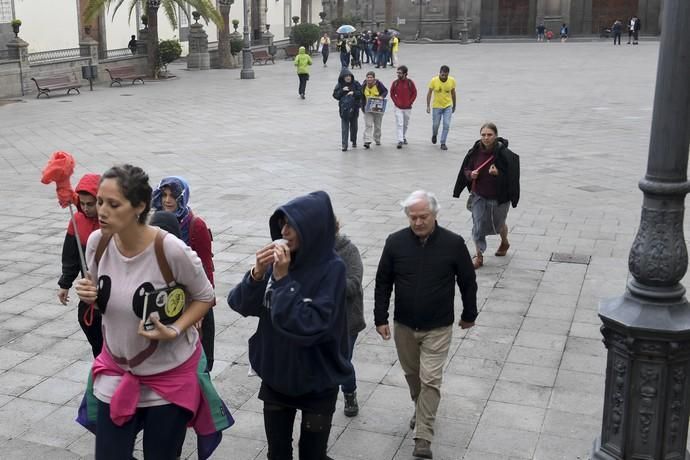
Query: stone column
[
  {"x": 647, "y": 329},
  {"x": 142, "y": 41},
  {"x": 88, "y": 48},
  {"x": 19, "y": 50},
  {"x": 198, "y": 57}
]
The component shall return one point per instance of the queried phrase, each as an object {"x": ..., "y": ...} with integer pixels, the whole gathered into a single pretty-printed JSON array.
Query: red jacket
[
  {"x": 200, "y": 242},
  {"x": 403, "y": 93}
]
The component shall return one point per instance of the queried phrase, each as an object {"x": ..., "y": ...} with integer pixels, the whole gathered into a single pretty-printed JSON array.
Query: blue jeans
[
  {"x": 351, "y": 385},
  {"x": 437, "y": 114}
]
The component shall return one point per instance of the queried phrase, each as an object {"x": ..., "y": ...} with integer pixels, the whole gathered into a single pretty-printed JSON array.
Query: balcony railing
[
  {"x": 54, "y": 55},
  {"x": 116, "y": 53}
]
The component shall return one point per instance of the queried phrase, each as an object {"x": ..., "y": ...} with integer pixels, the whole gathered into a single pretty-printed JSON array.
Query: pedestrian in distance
[
  {"x": 631, "y": 29},
  {"x": 86, "y": 219},
  {"x": 348, "y": 93},
  {"x": 151, "y": 289},
  {"x": 302, "y": 63},
  {"x": 549, "y": 36},
  {"x": 354, "y": 301},
  {"x": 354, "y": 44},
  {"x": 395, "y": 47},
  {"x": 540, "y": 32},
  {"x": 617, "y": 29},
  {"x": 442, "y": 88},
  {"x": 403, "y": 94},
  {"x": 344, "y": 49},
  {"x": 173, "y": 194},
  {"x": 297, "y": 289},
  {"x": 424, "y": 305},
  {"x": 564, "y": 33},
  {"x": 132, "y": 45},
  {"x": 325, "y": 44},
  {"x": 374, "y": 48},
  {"x": 491, "y": 173},
  {"x": 384, "y": 49},
  {"x": 637, "y": 25},
  {"x": 374, "y": 90}
]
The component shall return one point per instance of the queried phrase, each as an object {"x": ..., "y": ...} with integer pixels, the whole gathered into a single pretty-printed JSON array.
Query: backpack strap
[
  {"x": 102, "y": 246},
  {"x": 163, "y": 265}
]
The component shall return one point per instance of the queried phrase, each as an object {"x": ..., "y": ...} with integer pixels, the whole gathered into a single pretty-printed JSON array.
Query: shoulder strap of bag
[
  {"x": 102, "y": 246},
  {"x": 163, "y": 265}
]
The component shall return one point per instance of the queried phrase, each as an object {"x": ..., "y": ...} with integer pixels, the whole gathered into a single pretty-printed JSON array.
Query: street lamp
[
  {"x": 647, "y": 330},
  {"x": 421, "y": 3},
  {"x": 247, "y": 72},
  {"x": 463, "y": 29}
]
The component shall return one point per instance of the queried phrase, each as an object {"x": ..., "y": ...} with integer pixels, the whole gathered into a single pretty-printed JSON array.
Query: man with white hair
[{"x": 423, "y": 262}]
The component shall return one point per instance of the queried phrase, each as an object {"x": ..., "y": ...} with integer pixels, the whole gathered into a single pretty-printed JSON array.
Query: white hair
[{"x": 421, "y": 195}]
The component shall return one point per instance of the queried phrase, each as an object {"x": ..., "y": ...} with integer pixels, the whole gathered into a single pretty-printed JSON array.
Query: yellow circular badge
[{"x": 175, "y": 304}]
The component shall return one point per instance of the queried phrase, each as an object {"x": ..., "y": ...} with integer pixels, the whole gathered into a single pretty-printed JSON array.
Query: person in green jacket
[{"x": 302, "y": 62}]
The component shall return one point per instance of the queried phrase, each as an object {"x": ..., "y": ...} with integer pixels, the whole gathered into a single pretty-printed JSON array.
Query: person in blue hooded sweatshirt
[{"x": 300, "y": 347}]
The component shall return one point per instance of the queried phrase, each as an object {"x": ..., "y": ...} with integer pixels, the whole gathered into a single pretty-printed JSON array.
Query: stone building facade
[{"x": 443, "y": 19}]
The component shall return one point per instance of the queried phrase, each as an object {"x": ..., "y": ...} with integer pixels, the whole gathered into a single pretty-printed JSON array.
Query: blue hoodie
[{"x": 301, "y": 342}]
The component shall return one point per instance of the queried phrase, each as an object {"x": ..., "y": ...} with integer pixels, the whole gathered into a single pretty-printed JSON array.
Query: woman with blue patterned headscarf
[{"x": 172, "y": 195}]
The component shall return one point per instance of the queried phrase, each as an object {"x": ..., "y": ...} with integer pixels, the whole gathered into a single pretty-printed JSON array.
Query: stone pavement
[{"x": 525, "y": 383}]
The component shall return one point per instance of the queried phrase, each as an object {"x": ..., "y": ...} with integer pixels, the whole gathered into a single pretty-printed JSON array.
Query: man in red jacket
[{"x": 403, "y": 93}]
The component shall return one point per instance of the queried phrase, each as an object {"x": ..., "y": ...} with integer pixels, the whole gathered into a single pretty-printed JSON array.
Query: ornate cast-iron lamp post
[
  {"x": 247, "y": 72},
  {"x": 647, "y": 330},
  {"x": 463, "y": 29},
  {"x": 421, "y": 4}
]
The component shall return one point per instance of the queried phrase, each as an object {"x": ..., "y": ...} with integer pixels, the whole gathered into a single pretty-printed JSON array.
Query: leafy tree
[
  {"x": 305, "y": 34},
  {"x": 353, "y": 20},
  {"x": 150, "y": 8},
  {"x": 169, "y": 50}
]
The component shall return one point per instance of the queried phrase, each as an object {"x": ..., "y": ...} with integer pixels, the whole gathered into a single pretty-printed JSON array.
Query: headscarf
[{"x": 180, "y": 190}]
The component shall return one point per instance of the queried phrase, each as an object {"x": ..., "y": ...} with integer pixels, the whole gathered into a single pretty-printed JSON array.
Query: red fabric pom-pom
[{"x": 59, "y": 169}]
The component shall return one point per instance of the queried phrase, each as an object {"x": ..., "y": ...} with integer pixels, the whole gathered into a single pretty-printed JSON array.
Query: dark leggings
[
  {"x": 208, "y": 335},
  {"x": 93, "y": 331},
  {"x": 313, "y": 438},
  {"x": 303, "y": 77},
  {"x": 163, "y": 426}
]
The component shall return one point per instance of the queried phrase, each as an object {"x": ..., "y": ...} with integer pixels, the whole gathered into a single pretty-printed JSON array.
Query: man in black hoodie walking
[
  {"x": 423, "y": 262},
  {"x": 348, "y": 92}
]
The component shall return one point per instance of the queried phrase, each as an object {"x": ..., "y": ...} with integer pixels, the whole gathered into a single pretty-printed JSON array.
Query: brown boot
[
  {"x": 503, "y": 248},
  {"x": 478, "y": 261}
]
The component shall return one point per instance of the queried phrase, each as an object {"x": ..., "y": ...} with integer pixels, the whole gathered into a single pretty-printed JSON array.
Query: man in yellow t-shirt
[
  {"x": 395, "y": 45},
  {"x": 442, "y": 87}
]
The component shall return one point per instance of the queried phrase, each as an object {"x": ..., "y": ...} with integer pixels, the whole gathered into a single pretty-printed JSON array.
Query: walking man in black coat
[{"x": 424, "y": 262}]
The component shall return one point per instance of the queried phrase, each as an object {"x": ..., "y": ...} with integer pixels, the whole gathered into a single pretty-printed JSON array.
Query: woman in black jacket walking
[
  {"x": 491, "y": 172},
  {"x": 348, "y": 92}
]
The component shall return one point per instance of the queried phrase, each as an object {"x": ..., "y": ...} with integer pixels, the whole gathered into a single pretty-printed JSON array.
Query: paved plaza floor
[{"x": 525, "y": 383}]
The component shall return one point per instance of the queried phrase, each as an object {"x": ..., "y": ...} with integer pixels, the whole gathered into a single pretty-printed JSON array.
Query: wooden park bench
[
  {"x": 262, "y": 55},
  {"x": 128, "y": 72},
  {"x": 291, "y": 51},
  {"x": 45, "y": 85}
]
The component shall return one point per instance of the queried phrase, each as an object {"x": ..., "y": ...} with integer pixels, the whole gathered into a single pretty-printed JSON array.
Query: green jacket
[{"x": 302, "y": 61}]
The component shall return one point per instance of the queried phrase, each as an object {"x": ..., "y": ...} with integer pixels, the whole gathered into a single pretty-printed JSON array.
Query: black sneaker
[
  {"x": 444, "y": 147},
  {"x": 351, "y": 407},
  {"x": 302, "y": 96},
  {"x": 354, "y": 145},
  {"x": 433, "y": 139},
  {"x": 405, "y": 141},
  {"x": 378, "y": 142},
  {"x": 344, "y": 148},
  {"x": 400, "y": 144},
  {"x": 367, "y": 145}
]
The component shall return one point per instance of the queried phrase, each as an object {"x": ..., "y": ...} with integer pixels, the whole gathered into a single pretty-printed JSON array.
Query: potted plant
[
  {"x": 235, "y": 24},
  {"x": 168, "y": 51},
  {"x": 295, "y": 19},
  {"x": 196, "y": 15},
  {"x": 236, "y": 45},
  {"x": 145, "y": 21},
  {"x": 16, "y": 23}
]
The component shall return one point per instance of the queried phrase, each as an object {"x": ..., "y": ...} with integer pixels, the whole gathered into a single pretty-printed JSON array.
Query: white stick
[{"x": 82, "y": 259}]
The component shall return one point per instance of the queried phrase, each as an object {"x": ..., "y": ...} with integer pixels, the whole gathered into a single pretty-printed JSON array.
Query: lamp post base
[{"x": 247, "y": 74}]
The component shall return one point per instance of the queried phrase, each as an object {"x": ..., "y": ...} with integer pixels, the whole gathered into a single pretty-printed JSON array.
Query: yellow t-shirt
[
  {"x": 442, "y": 92},
  {"x": 371, "y": 92},
  {"x": 395, "y": 43}
]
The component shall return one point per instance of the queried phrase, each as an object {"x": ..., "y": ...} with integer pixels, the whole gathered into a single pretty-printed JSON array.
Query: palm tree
[{"x": 206, "y": 8}]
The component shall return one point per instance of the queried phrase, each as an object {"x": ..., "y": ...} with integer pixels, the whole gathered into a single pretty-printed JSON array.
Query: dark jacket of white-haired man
[{"x": 423, "y": 262}]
